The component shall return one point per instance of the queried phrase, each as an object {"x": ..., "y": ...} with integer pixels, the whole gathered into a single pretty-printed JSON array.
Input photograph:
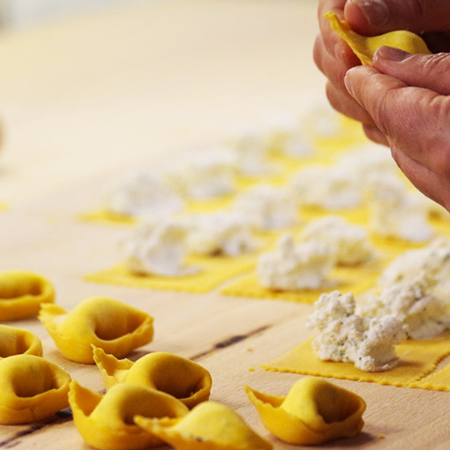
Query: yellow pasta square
[
  {"x": 417, "y": 360},
  {"x": 345, "y": 279},
  {"x": 106, "y": 217},
  {"x": 437, "y": 381},
  {"x": 213, "y": 271}
]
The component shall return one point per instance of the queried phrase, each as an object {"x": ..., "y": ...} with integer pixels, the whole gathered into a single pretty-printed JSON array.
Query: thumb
[
  {"x": 373, "y": 17},
  {"x": 425, "y": 71}
]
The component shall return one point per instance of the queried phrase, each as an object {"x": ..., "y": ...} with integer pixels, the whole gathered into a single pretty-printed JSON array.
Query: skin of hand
[{"x": 403, "y": 101}]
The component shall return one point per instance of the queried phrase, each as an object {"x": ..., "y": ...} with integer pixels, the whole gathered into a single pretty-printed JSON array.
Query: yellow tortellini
[
  {"x": 365, "y": 47},
  {"x": 208, "y": 426},
  {"x": 15, "y": 341},
  {"x": 106, "y": 422},
  {"x": 31, "y": 389},
  {"x": 314, "y": 411},
  {"x": 22, "y": 293},
  {"x": 180, "y": 377},
  {"x": 116, "y": 327}
]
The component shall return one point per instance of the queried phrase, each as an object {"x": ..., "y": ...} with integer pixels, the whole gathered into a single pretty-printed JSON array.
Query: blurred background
[
  {"x": 23, "y": 13},
  {"x": 91, "y": 87}
]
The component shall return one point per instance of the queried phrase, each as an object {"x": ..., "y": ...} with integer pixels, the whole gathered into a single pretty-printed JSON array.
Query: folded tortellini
[
  {"x": 15, "y": 341},
  {"x": 314, "y": 411},
  {"x": 116, "y": 327},
  {"x": 180, "y": 377},
  {"x": 106, "y": 422},
  {"x": 208, "y": 426},
  {"x": 22, "y": 293},
  {"x": 365, "y": 47},
  {"x": 31, "y": 389}
]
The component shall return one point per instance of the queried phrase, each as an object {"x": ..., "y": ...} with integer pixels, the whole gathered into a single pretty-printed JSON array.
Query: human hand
[
  {"x": 373, "y": 17},
  {"x": 408, "y": 98},
  {"x": 403, "y": 100}
]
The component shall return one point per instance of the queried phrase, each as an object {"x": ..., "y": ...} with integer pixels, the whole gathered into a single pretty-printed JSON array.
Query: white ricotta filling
[
  {"x": 141, "y": 193},
  {"x": 268, "y": 207},
  {"x": 157, "y": 248},
  {"x": 221, "y": 233},
  {"x": 368, "y": 343},
  {"x": 294, "y": 267},
  {"x": 423, "y": 314},
  {"x": 350, "y": 242}
]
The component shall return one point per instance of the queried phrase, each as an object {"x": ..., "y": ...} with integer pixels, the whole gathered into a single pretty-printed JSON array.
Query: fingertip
[
  {"x": 355, "y": 77},
  {"x": 365, "y": 16},
  {"x": 349, "y": 83},
  {"x": 354, "y": 16},
  {"x": 349, "y": 79},
  {"x": 375, "y": 135},
  {"x": 391, "y": 54},
  {"x": 344, "y": 103}
]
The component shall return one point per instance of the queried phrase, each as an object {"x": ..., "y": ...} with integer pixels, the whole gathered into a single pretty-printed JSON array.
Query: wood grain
[{"x": 83, "y": 99}]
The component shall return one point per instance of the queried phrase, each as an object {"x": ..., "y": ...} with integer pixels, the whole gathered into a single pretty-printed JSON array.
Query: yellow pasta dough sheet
[
  {"x": 418, "y": 359},
  {"x": 348, "y": 133},
  {"x": 437, "y": 381},
  {"x": 441, "y": 226},
  {"x": 358, "y": 215},
  {"x": 106, "y": 217},
  {"x": 192, "y": 206},
  {"x": 356, "y": 279},
  {"x": 345, "y": 279},
  {"x": 208, "y": 205},
  {"x": 282, "y": 167},
  {"x": 213, "y": 271}
]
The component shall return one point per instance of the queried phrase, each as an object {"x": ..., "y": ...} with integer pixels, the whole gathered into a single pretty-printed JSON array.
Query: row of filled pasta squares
[
  {"x": 159, "y": 398},
  {"x": 197, "y": 251},
  {"x": 366, "y": 176},
  {"x": 217, "y": 171},
  {"x": 327, "y": 252},
  {"x": 395, "y": 334}
]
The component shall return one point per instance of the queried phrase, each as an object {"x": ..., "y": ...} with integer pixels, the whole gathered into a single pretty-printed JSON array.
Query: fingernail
[
  {"x": 348, "y": 83},
  {"x": 375, "y": 11},
  {"x": 391, "y": 54}
]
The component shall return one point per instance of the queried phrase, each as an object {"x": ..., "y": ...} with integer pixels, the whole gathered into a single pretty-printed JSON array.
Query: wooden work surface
[{"x": 84, "y": 99}]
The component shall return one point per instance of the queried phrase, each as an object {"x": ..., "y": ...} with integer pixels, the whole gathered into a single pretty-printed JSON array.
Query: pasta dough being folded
[{"x": 365, "y": 47}]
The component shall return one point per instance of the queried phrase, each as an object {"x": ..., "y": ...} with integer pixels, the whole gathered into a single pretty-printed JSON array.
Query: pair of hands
[{"x": 403, "y": 101}]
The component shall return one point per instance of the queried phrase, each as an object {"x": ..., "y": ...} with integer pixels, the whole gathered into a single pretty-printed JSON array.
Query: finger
[
  {"x": 337, "y": 93},
  {"x": 336, "y": 6},
  {"x": 414, "y": 120},
  {"x": 343, "y": 102},
  {"x": 333, "y": 68},
  {"x": 331, "y": 5},
  {"x": 332, "y": 42},
  {"x": 375, "y": 135},
  {"x": 429, "y": 183},
  {"x": 372, "y": 17},
  {"x": 426, "y": 71}
]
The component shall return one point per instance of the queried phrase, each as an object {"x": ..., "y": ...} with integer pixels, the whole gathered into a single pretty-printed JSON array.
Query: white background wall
[{"x": 22, "y": 13}]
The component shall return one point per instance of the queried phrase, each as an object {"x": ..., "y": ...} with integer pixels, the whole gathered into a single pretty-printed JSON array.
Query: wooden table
[{"x": 86, "y": 98}]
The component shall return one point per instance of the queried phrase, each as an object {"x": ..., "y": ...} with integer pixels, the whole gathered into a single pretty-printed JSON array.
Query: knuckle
[{"x": 437, "y": 63}]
